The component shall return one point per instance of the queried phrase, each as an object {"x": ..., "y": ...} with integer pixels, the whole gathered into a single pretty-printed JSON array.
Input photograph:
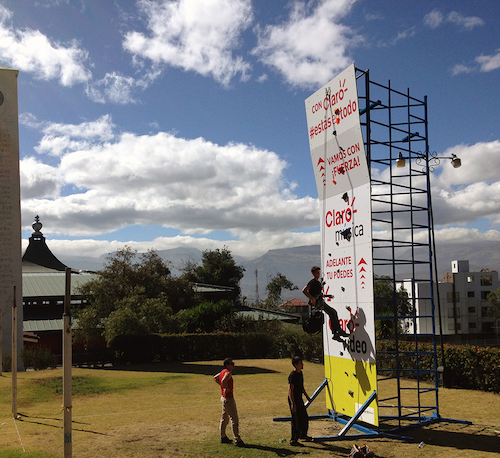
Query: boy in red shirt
[{"x": 229, "y": 411}]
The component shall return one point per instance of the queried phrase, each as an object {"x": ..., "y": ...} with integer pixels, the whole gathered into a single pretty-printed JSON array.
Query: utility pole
[
  {"x": 257, "y": 300},
  {"x": 14, "y": 356},
  {"x": 67, "y": 415}
]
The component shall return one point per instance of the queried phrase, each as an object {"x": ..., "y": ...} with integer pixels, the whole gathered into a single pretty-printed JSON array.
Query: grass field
[{"x": 173, "y": 410}]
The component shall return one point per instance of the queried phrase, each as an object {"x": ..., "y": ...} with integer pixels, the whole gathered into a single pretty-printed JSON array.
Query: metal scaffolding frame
[{"x": 395, "y": 129}]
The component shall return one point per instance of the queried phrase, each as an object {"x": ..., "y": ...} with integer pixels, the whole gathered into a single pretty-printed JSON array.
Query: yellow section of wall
[{"x": 350, "y": 383}]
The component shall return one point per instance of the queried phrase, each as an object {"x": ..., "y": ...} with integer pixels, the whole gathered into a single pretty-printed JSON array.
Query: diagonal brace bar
[
  {"x": 358, "y": 414},
  {"x": 315, "y": 394}
]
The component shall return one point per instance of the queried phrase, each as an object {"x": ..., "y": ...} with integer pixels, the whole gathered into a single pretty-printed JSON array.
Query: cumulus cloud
[
  {"x": 194, "y": 36},
  {"x": 38, "y": 180},
  {"x": 311, "y": 46},
  {"x": 459, "y": 234},
  {"x": 31, "y": 51},
  {"x": 251, "y": 246},
  {"x": 474, "y": 159},
  {"x": 472, "y": 191},
  {"x": 460, "y": 196},
  {"x": 105, "y": 181},
  {"x": 58, "y": 138}
]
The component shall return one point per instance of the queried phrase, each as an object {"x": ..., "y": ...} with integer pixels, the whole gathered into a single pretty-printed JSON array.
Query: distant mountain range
[{"x": 295, "y": 263}]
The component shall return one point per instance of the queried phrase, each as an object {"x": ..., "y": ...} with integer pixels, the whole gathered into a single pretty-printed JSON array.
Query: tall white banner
[{"x": 344, "y": 189}]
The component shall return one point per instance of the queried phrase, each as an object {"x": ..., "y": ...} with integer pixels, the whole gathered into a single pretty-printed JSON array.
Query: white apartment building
[{"x": 463, "y": 301}]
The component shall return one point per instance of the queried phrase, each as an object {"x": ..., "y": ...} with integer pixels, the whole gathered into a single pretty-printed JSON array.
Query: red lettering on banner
[
  {"x": 325, "y": 104},
  {"x": 335, "y": 218}
]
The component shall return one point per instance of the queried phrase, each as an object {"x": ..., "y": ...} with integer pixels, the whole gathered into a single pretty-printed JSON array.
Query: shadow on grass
[
  {"x": 303, "y": 449},
  {"x": 191, "y": 368},
  {"x": 33, "y": 420},
  {"x": 278, "y": 451},
  {"x": 468, "y": 437}
]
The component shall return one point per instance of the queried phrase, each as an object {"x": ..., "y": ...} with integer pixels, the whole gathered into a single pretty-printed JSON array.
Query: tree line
[{"x": 137, "y": 294}]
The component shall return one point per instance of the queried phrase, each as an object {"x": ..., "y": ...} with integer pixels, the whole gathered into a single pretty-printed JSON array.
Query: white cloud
[
  {"x": 459, "y": 234},
  {"x": 50, "y": 3},
  {"x": 312, "y": 46},
  {"x": 31, "y": 51},
  {"x": 58, "y": 138},
  {"x": 472, "y": 191},
  {"x": 480, "y": 162},
  {"x": 250, "y": 246},
  {"x": 404, "y": 34},
  {"x": 114, "y": 88},
  {"x": 468, "y": 22},
  {"x": 460, "y": 68},
  {"x": 486, "y": 64},
  {"x": 489, "y": 63},
  {"x": 107, "y": 182},
  {"x": 118, "y": 88},
  {"x": 433, "y": 19},
  {"x": 38, "y": 180},
  {"x": 460, "y": 196},
  {"x": 194, "y": 36}
]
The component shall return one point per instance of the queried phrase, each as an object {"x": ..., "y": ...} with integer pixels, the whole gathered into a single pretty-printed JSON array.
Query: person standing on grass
[
  {"x": 300, "y": 419},
  {"x": 225, "y": 379}
]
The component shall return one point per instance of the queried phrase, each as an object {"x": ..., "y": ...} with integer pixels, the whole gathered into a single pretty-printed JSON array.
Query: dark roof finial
[{"x": 37, "y": 226}]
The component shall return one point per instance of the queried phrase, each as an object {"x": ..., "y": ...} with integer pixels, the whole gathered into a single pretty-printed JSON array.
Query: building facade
[
  {"x": 44, "y": 288},
  {"x": 463, "y": 303}
]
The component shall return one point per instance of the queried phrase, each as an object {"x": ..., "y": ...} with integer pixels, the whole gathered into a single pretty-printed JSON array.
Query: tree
[
  {"x": 132, "y": 297},
  {"x": 139, "y": 315},
  {"x": 204, "y": 317},
  {"x": 277, "y": 283},
  {"x": 217, "y": 268},
  {"x": 494, "y": 299},
  {"x": 393, "y": 303}
]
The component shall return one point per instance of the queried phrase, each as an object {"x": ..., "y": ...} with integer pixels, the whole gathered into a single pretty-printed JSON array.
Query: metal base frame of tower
[{"x": 395, "y": 132}]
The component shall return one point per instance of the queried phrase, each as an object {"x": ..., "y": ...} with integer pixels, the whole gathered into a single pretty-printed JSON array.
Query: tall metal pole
[
  {"x": 67, "y": 361},
  {"x": 1, "y": 349},
  {"x": 14, "y": 356},
  {"x": 257, "y": 301}
]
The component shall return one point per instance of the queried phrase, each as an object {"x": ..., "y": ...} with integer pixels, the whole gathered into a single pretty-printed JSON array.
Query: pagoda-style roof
[{"x": 38, "y": 253}]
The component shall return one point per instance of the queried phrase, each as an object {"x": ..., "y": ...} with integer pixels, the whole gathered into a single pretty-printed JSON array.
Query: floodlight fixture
[
  {"x": 455, "y": 161},
  {"x": 400, "y": 162}
]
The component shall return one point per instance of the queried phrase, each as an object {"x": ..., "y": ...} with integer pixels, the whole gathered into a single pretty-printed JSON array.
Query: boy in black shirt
[
  {"x": 314, "y": 291},
  {"x": 300, "y": 420}
]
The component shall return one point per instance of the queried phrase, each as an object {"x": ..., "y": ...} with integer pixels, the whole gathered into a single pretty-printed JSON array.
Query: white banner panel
[{"x": 344, "y": 190}]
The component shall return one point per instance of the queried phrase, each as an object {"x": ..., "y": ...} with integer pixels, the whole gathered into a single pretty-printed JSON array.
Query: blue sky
[{"x": 160, "y": 124}]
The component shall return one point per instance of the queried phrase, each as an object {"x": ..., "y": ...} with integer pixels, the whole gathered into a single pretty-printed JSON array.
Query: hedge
[
  {"x": 467, "y": 366},
  {"x": 191, "y": 347},
  {"x": 475, "y": 368},
  {"x": 37, "y": 358}
]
